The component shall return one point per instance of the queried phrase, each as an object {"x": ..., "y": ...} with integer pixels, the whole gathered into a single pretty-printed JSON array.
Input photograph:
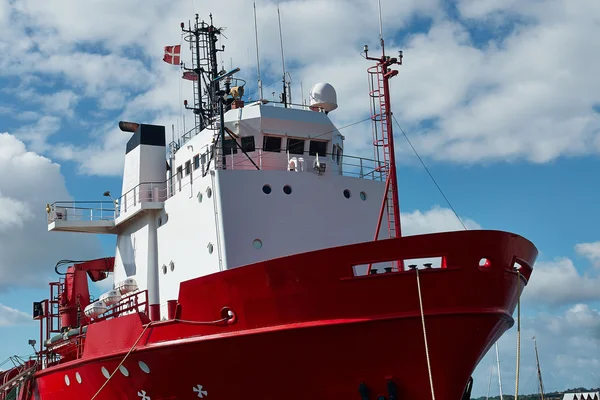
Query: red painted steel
[{"x": 306, "y": 327}]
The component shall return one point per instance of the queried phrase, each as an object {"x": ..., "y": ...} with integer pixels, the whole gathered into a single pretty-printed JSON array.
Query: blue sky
[{"x": 499, "y": 98}]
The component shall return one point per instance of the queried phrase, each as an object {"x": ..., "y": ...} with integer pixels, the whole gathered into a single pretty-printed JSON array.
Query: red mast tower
[{"x": 383, "y": 136}]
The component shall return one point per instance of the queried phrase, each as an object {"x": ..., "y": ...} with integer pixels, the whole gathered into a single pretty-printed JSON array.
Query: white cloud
[
  {"x": 591, "y": 251},
  {"x": 515, "y": 97},
  {"x": 436, "y": 219},
  {"x": 569, "y": 352},
  {"x": 9, "y": 316},
  {"x": 558, "y": 282},
  {"x": 29, "y": 181}
]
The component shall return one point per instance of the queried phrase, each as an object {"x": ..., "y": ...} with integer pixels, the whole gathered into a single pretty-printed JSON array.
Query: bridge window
[
  {"x": 179, "y": 172},
  {"x": 248, "y": 144},
  {"x": 188, "y": 168},
  {"x": 318, "y": 147},
  {"x": 197, "y": 161},
  {"x": 230, "y": 146},
  {"x": 272, "y": 143},
  {"x": 295, "y": 146}
]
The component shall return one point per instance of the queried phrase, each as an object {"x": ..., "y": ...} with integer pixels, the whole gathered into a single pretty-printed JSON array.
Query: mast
[
  {"x": 539, "y": 371},
  {"x": 202, "y": 38},
  {"x": 260, "y": 89},
  {"x": 383, "y": 136},
  {"x": 499, "y": 373},
  {"x": 284, "y": 93}
]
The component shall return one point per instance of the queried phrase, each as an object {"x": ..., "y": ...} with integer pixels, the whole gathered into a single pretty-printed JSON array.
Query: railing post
[{"x": 361, "y": 168}]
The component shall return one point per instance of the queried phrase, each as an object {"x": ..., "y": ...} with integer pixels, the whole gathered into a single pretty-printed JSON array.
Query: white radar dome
[{"x": 323, "y": 95}]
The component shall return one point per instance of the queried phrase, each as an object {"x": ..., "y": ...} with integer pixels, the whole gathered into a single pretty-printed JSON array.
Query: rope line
[
  {"x": 425, "y": 335},
  {"x": 518, "y": 334},
  {"x": 429, "y": 173},
  {"x": 122, "y": 361}
]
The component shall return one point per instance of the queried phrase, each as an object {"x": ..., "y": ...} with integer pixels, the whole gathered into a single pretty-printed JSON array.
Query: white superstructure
[{"x": 286, "y": 187}]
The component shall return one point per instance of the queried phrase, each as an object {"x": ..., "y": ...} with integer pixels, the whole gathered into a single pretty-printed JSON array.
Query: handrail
[{"x": 110, "y": 210}]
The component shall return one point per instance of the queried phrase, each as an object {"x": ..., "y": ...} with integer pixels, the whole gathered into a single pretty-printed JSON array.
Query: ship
[{"x": 256, "y": 260}]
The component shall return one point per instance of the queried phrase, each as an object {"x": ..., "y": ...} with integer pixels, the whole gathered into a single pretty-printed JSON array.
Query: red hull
[{"x": 305, "y": 327}]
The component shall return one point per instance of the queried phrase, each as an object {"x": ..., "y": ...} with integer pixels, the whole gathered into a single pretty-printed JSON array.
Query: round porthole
[
  {"x": 363, "y": 196},
  {"x": 164, "y": 269},
  {"x": 208, "y": 192},
  {"x": 266, "y": 189},
  {"x": 199, "y": 197},
  {"x": 210, "y": 248},
  {"x": 172, "y": 265},
  {"x": 346, "y": 193},
  {"x": 257, "y": 243},
  {"x": 287, "y": 189}
]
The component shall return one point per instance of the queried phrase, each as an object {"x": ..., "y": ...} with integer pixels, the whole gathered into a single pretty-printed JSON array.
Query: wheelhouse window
[
  {"x": 230, "y": 146},
  {"x": 197, "y": 161},
  {"x": 188, "y": 167},
  {"x": 272, "y": 143},
  {"x": 318, "y": 147},
  {"x": 248, "y": 144},
  {"x": 339, "y": 154},
  {"x": 179, "y": 172},
  {"x": 295, "y": 146}
]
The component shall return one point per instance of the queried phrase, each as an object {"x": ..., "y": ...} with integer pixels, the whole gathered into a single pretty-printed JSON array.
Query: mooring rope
[
  {"x": 518, "y": 334},
  {"x": 425, "y": 336}
]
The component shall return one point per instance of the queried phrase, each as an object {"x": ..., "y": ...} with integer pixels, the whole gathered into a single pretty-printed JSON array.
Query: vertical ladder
[{"x": 379, "y": 116}]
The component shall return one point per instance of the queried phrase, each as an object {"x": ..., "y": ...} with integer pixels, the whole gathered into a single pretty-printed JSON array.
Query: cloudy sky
[{"x": 501, "y": 99}]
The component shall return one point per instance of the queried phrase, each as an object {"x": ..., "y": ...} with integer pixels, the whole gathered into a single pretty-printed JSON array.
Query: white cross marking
[{"x": 201, "y": 393}]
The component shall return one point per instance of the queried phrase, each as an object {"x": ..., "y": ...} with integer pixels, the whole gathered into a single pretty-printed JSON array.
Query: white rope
[
  {"x": 123, "y": 360},
  {"x": 518, "y": 334},
  {"x": 425, "y": 336}
]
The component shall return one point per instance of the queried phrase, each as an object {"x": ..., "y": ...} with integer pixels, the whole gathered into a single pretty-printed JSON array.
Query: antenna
[
  {"x": 381, "y": 29},
  {"x": 283, "y": 95},
  {"x": 260, "y": 89}
]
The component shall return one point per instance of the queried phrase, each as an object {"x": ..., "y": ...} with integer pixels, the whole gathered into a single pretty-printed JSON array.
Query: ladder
[{"x": 381, "y": 142}]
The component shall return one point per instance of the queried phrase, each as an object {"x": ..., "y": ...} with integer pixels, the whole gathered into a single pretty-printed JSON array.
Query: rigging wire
[{"x": 429, "y": 173}]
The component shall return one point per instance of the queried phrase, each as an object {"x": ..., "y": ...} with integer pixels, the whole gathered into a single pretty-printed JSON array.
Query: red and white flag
[
  {"x": 190, "y": 76},
  {"x": 172, "y": 55}
]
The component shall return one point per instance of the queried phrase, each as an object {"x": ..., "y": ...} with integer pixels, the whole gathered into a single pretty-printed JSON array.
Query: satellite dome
[{"x": 323, "y": 95}]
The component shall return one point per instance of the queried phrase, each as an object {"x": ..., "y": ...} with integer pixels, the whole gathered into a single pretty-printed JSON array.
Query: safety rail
[
  {"x": 81, "y": 210},
  {"x": 110, "y": 210},
  {"x": 133, "y": 302}
]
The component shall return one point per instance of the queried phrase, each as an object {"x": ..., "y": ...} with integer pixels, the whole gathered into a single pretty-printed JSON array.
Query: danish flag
[{"x": 172, "y": 55}]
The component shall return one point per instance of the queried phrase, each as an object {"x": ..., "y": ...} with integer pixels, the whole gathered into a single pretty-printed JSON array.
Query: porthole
[
  {"x": 208, "y": 192},
  {"x": 124, "y": 370},
  {"x": 144, "y": 367},
  {"x": 363, "y": 196},
  {"x": 257, "y": 243},
  {"x": 164, "y": 269},
  {"x": 105, "y": 372},
  {"x": 67, "y": 380},
  {"x": 210, "y": 248},
  {"x": 172, "y": 266},
  {"x": 287, "y": 189},
  {"x": 346, "y": 193},
  {"x": 78, "y": 377},
  {"x": 199, "y": 197},
  {"x": 266, "y": 189}
]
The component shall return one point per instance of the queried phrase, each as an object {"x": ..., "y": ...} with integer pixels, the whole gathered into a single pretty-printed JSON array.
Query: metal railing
[{"x": 182, "y": 180}]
